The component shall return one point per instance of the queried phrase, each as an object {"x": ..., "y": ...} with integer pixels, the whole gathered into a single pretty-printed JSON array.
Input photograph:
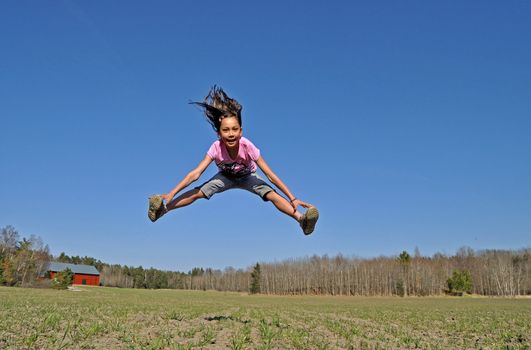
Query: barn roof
[{"x": 83, "y": 269}]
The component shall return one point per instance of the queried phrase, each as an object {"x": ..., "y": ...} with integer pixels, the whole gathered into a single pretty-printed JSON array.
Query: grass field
[{"x": 107, "y": 318}]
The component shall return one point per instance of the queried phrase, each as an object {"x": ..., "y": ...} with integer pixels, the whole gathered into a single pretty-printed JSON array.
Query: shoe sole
[
  {"x": 155, "y": 203},
  {"x": 312, "y": 215}
]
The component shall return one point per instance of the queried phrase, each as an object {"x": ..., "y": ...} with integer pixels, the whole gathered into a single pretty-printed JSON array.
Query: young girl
[{"x": 237, "y": 160}]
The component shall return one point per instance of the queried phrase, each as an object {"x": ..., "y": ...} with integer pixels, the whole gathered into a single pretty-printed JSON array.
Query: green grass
[{"x": 108, "y": 318}]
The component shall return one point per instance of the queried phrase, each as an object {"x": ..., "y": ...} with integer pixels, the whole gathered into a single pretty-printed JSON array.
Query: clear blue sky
[{"x": 406, "y": 123}]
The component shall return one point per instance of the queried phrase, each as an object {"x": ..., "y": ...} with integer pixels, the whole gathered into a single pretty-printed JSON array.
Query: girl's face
[{"x": 230, "y": 132}]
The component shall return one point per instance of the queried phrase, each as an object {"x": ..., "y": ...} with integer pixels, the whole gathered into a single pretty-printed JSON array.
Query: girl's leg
[
  {"x": 185, "y": 199},
  {"x": 283, "y": 205}
]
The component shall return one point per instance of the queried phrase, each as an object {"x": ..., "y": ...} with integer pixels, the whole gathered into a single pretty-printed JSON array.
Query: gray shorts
[{"x": 220, "y": 182}]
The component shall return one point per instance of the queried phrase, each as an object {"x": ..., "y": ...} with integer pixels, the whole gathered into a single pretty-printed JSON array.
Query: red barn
[{"x": 83, "y": 274}]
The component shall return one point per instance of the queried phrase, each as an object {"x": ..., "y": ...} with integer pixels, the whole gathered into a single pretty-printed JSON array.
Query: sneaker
[
  {"x": 309, "y": 220},
  {"x": 161, "y": 211},
  {"x": 156, "y": 208}
]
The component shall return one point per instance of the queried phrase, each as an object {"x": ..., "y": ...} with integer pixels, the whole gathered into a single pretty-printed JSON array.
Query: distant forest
[{"x": 485, "y": 272}]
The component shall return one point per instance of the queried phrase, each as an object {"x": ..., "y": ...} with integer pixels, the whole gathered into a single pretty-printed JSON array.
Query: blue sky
[{"x": 407, "y": 123}]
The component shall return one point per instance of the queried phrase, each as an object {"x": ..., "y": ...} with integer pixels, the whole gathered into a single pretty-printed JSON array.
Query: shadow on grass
[{"x": 226, "y": 318}]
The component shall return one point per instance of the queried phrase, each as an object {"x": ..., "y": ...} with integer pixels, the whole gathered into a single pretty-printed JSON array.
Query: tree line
[
  {"x": 22, "y": 261},
  {"x": 485, "y": 272}
]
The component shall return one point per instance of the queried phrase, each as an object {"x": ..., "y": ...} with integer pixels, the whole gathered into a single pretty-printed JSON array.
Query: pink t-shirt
[{"x": 244, "y": 163}]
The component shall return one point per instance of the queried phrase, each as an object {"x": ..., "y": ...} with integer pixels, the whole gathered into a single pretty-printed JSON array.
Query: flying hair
[{"x": 217, "y": 105}]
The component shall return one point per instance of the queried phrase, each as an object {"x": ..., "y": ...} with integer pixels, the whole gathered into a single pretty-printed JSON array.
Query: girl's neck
[{"x": 233, "y": 151}]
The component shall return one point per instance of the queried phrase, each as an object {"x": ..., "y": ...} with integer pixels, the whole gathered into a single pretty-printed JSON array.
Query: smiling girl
[{"x": 237, "y": 160}]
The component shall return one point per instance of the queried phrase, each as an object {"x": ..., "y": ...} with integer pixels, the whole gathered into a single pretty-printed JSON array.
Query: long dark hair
[{"x": 217, "y": 105}]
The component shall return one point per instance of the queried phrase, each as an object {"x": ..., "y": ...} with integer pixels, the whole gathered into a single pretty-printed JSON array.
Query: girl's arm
[
  {"x": 188, "y": 179},
  {"x": 295, "y": 202}
]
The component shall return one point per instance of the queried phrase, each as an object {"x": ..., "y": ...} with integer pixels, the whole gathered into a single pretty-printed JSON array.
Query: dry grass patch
[{"x": 109, "y": 318}]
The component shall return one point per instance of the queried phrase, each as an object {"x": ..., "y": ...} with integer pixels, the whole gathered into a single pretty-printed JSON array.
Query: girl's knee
[{"x": 198, "y": 194}]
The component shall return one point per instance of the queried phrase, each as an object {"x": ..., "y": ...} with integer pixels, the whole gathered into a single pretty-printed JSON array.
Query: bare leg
[
  {"x": 283, "y": 205},
  {"x": 185, "y": 199}
]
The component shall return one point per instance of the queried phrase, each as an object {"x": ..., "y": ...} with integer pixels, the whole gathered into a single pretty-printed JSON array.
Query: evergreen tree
[
  {"x": 460, "y": 282},
  {"x": 63, "y": 279},
  {"x": 63, "y": 258},
  {"x": 404, "y": 259},
  {"x": 255, "y": 279}
]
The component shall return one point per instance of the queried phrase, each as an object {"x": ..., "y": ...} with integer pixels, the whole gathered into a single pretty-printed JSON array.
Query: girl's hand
[
  {"x": 298, "y": 202},
  {"x": 167, "y": 198}
]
